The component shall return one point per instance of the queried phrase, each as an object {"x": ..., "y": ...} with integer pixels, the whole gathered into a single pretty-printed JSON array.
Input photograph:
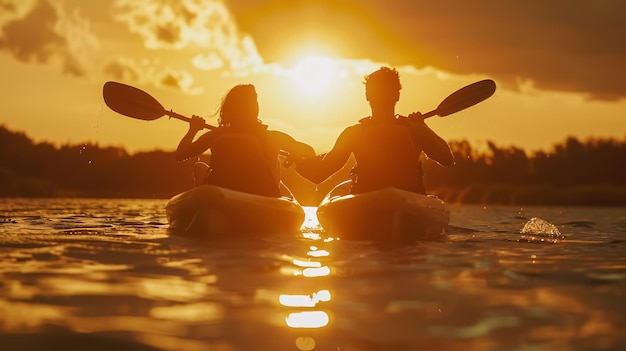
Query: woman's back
[{"x": 244, "y": 161}]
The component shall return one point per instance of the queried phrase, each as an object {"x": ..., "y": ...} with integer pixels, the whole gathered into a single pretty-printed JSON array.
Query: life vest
[
  {"x": 386, "y": 157},
  {"x": 243, "y": 160}
]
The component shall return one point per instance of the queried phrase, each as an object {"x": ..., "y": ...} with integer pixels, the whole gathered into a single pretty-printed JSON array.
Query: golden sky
[{"x": 559, "y": 65}]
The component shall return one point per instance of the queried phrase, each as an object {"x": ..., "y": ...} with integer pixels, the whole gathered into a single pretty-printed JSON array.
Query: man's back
[{"x": 386, "y": 156}]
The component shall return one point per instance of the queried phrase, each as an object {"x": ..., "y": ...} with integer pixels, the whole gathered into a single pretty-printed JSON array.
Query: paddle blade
[
  {"x": 466, "y": 97},
  {"x": 132, "y": 102}
]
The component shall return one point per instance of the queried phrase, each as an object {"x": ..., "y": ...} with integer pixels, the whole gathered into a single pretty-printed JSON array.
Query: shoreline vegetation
[{"x": 573, "y": 173}]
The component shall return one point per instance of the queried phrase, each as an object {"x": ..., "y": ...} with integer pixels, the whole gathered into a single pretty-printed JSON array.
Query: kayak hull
[
  {"x": 388, "y": 214},
  {"x": 213, "y": 212}
]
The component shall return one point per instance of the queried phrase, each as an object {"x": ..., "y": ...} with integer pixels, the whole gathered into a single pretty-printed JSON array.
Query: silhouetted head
[
  {"x": 240, "y": 107},
  {"x": 383, "y": 86}
]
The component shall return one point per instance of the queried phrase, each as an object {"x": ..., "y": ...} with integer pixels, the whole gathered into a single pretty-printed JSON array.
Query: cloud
[
  {"x": 123, "y": 69},
  {"x": 11, "y": 9},
  {"x": 149, "y": 72},
  {"x": 180, "y": 24},
  {"x": 181, "y": 80},
  {"x": 39, "y": 32},
  {"x": 565, "y": 45},
  {"x": 207, "y": 61}
]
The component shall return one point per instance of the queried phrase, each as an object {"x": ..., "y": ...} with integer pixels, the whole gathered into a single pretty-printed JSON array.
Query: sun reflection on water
[
  {"x": 316, "y": 272},
  {"x": 307, "y": 319},
  {"x": 304, "y": 300},
  {"x": 315, "y": 252},
  {"x": 310, "y": 218},
  {"x": 311, "y": 317},
  {"x": 302, "y": 263}
]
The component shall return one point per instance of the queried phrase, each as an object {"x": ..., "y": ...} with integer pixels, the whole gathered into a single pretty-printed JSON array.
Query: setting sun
[
  {"x": 315, "y": 75},
  {"x": 163, "y": 164}
]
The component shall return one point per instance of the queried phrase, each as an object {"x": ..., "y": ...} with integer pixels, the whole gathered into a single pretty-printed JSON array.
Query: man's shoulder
[
  {"x": 365, "y": 120},
  {"x": 352, "y": 129},
  {"x": 350, "y": 134}
]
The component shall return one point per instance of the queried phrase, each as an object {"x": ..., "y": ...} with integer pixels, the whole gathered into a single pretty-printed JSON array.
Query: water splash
[{"x": 539, "y": 230}]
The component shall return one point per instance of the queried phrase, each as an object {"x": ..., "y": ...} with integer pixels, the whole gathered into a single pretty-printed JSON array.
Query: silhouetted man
[{"x": 387, "y": 147}]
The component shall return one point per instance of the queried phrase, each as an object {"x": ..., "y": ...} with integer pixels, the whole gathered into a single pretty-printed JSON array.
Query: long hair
[{"x": 240, "y": 107}]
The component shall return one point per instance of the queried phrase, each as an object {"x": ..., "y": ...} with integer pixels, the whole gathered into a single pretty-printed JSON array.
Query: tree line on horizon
[{"x": 575, "y": 172}]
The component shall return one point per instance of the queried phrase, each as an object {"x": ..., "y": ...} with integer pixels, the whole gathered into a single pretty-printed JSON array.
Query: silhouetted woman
[{"x": 244, "y": 153}]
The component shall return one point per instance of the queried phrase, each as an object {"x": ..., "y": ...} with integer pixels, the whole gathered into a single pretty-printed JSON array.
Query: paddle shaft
[
  {"x": 173, "y": 114},
  {"x": 430, "y": 114}
]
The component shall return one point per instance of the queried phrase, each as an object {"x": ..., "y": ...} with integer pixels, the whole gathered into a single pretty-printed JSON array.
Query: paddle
[
  {"x": 463, "y": 98},
  {"x": 136, "y": 103}
]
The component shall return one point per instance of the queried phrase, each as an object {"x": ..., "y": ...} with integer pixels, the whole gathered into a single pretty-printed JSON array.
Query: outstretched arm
[
  {"x": 296, "y": 149},
  {"x": 432, "y": 144},
  {"x": 320, "y": 168},
  {"x": 187, "y": 147}
]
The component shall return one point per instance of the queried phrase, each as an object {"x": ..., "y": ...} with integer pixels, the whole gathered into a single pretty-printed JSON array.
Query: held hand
[
  {"x": 308, "y": 162},
  {"x": 292, "y": 159},
  {"x": 289, "y": 160},
  {"x": 310, "y": 167},
  {"x": 197, "y": 123}
]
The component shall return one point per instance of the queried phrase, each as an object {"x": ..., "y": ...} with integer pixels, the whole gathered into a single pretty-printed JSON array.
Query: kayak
[
  {"x": 213, "y": 212},
  {"x": 388, "y": 214}
]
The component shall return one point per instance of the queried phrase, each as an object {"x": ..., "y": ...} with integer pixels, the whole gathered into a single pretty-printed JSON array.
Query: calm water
[{"x": 104, "y": 274}]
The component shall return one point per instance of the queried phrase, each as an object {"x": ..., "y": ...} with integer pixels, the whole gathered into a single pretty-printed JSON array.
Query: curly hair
[{"x": 382, "y": 83}]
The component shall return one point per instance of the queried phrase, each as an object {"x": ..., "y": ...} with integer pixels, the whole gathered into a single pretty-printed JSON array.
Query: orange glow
[
  {"x": 305, "y": 343},
  {"x": 308, "y": 60},
  {"x": 189, "y": 313},
  {"x": 315, "y": 76}
]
